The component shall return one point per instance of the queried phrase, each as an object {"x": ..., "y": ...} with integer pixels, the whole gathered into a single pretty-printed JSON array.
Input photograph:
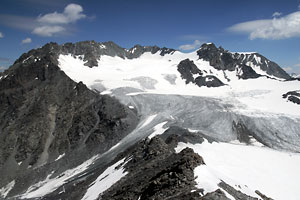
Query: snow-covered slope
[
  {"x": 258, "y": 99},
  {"x": 152, "y": 73},
  {"x": 247, "y": 168}
]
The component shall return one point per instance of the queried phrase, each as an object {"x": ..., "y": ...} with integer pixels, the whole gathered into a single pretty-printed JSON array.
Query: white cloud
[
  {"x": 187, "y": 47},
  {"x": 276, "y": 14},
  {"x": 48, "y": 31},
  {"x": 277, "y": 28},
  {"x": 55, "y": 23},
  {"x": 26, "y": 41},
  {"x": 1, "y": 35},
  {"x": 71, "y": 14}
]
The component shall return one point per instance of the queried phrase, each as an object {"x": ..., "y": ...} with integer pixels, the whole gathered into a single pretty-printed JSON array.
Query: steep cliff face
[{"x": 44, "y": 114}]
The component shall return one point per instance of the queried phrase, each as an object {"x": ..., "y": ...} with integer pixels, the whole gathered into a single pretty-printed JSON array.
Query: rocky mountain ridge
[
  {"x": 243, "y": 62},
  {"x": 59, "y": 132},
  {"x": 44, "y": 114}
]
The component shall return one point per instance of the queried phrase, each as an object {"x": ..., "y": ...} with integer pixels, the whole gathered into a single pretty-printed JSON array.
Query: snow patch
[
  {"x": 102, "y": 46},
  {"x": 148, "y": 120},
  {"x": 109, "y": 177},
  {"x": 158, "y": 129},
  {"x": 51, "y": 184},
  {"x": 26, "y": 59},
  {"x": 5, "y": 190},
  {"x": 60, "y": 156}
]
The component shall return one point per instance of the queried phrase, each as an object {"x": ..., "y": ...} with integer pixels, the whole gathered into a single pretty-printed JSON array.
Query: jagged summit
[
  {"x": 91, "y": 51},
  {"x": 246, "y": 65},
  {"x": 250, "y": 65}
]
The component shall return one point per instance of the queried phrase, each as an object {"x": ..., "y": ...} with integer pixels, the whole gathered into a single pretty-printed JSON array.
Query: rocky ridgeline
[
  {"x": 91, "y": 51},
  {"x": 293, "y": 96},
  {"x": 242, "y": 62},
  {"x": 45, "y": 114}
]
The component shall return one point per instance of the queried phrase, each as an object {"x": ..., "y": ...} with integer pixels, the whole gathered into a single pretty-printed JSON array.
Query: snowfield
[
  {"x": 151, "y": 73},
  {"x": 247, "y": 168}
]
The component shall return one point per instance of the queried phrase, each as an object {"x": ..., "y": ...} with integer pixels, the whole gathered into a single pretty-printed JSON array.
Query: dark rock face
[
  {"x": 156, "y": 172},
  {"x": 264, "y": 197},
  {"x": 44, "y": 114},
  {"x": 209, "y": 81},
  {"x": 235, "y": 193},
  {"x": 216, "y": 195},
  {"x": 191, "y": 74},
  {"x": 243, "y": 133},
  {"x": 176, "y": 134},
  {"x": 138, "y": 50},
  {"x": 293, "y": 96},
  {"x": 224, "y": 60},
  {"x": 188, "y": 69}
]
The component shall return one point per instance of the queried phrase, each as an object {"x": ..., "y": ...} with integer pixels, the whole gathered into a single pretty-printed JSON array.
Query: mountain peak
[
  {"x": 225, "y": 60},
  {"x": 208, "y": 46}
]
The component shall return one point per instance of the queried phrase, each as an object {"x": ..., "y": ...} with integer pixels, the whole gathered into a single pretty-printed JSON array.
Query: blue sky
[{"x": 270, "y": 27}]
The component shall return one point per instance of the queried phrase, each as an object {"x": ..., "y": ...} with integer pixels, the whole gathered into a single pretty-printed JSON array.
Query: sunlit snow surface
[
  {"x": 259, "y": 97},
  {"x": 109, "y": 177},
  {"x": 247, "y": 168},
  {"x": 50, "y": 184},
  {"x": 5, "y": 190}
]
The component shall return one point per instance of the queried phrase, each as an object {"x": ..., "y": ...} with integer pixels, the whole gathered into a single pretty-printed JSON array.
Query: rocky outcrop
[
  {"x": 44, "y": 114},
  {"x": 138, "y": 50},
  {"x": 156, "y": 172},
  {"x": 238, "y": 195},
  {"x": 191, "y": 74},
  {"x": 242, "y": 63},
  {"x": 293, "y": 96}
]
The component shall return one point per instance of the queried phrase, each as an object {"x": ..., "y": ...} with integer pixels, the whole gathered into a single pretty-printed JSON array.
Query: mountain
[{"x": 94, "y": 120}]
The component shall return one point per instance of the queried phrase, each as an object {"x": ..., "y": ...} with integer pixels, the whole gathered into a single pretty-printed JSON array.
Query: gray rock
[
  {"x": 189, "y": 71},
  {"x": 44, "y": 114},
  {"x": 156, "y": 172},
  {"x": 293, "y": 96},
  {"x": 238, "y": 195},
  {"x": 224, "y": 60}
]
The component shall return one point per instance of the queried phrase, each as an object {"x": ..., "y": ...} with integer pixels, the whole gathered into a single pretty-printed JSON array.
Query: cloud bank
[
  {"x": 276, "y": 28},
  {"x": 1, "y": 35}
]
